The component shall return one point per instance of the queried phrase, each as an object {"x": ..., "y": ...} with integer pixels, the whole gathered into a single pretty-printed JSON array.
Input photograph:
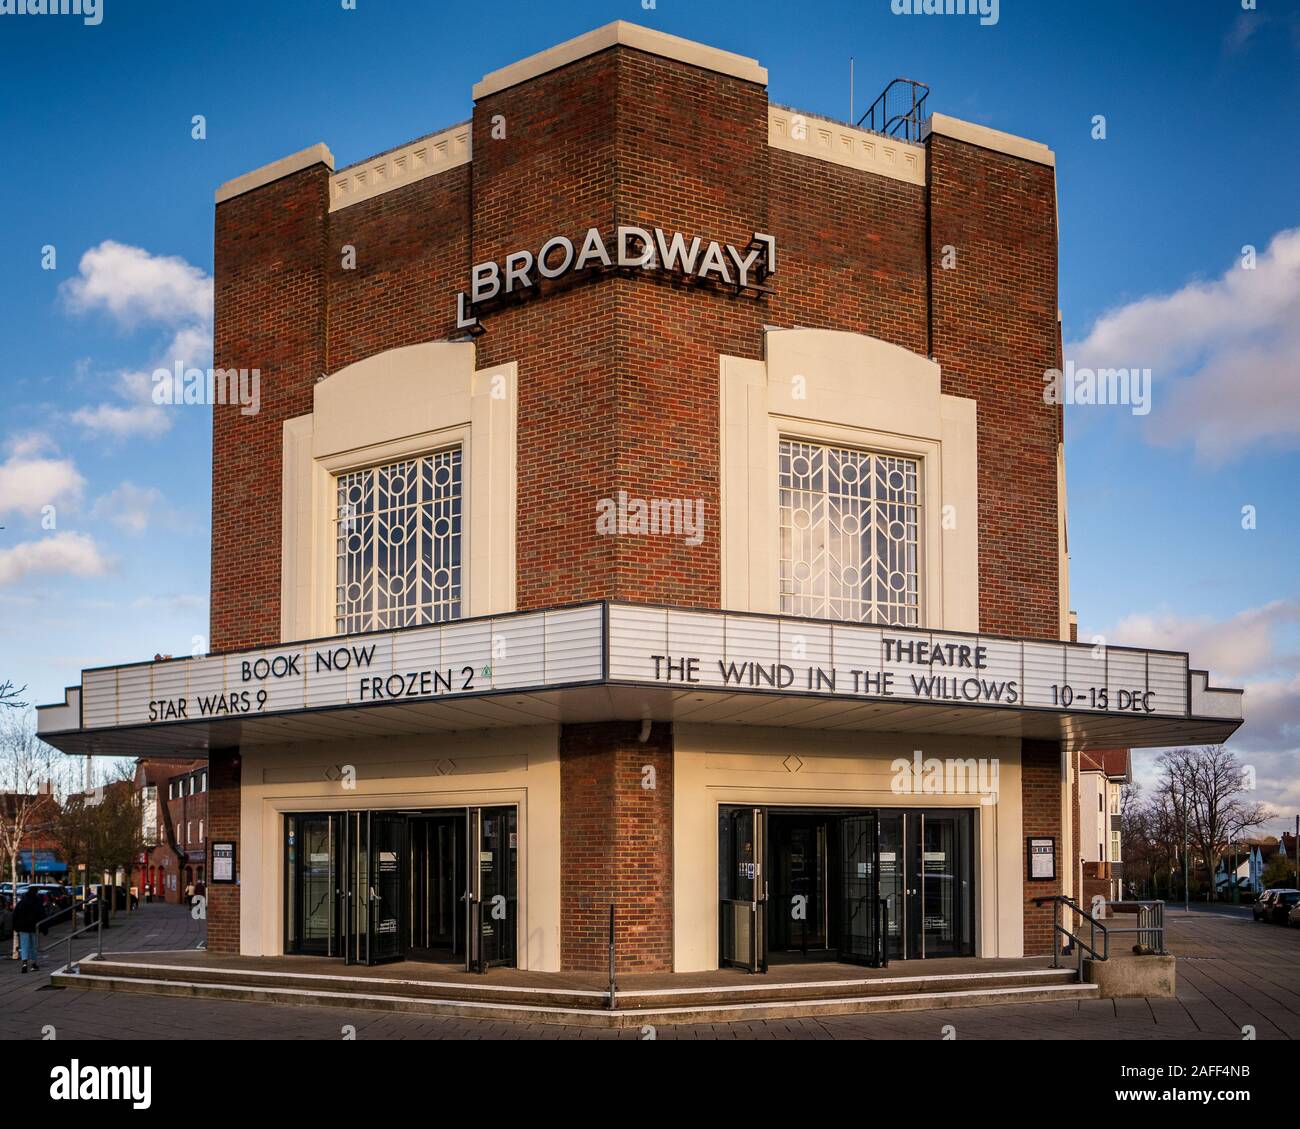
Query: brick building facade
[{"x": 859, "y": 417}]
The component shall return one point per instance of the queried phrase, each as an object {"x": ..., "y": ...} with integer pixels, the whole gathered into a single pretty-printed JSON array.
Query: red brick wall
[
  {"x": 851, "y": 251},
  {"x": 268, "y": 264},
  {"x": 995, "y": 333},
  {"x": 1040, "y": 798},
  {"x": 616, "y": 846},
  {"x": 223, "y": 816},
  {"x": 412, "y": 253}
]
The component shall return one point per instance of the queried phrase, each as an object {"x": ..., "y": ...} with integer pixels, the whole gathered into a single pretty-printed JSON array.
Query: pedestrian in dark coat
[{"x": 28, "y": 914}]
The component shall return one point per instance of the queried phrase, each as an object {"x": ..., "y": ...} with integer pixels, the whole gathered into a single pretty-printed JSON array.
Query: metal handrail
[
  {"x": 1059, "y": 900},
  {"x": 98, "y": 926},
  {"x": 1151, "y": 925}
]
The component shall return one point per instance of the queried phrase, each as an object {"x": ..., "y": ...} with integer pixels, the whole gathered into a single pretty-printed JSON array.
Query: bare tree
[
  {"x": 102, "y": 829},
  {"x": 1207, "y": 786},
  {"x": 10, "y": 696},
  {"x": 30, "y": 772}
]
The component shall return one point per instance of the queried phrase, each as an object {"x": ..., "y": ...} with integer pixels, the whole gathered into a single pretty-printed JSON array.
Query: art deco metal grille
[
  {"x": 850, "y": 541},
  {"x": 398, "y": 538}
]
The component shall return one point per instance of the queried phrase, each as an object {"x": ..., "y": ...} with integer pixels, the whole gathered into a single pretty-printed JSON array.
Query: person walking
[{"x": 28, "y": 915}]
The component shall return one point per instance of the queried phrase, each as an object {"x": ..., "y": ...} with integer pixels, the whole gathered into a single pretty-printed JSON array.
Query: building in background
[
  {"x": 174, "y": 809},
  {"x": 1102, "y": 776},
  {"x": 40, "y": 857}
]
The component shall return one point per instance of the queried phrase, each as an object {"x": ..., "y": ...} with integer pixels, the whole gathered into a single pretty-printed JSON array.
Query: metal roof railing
[{"x": 899, "y": 111}]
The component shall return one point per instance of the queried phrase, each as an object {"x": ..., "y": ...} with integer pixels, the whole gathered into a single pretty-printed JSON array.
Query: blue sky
[{"x": 1199, "y": 160}]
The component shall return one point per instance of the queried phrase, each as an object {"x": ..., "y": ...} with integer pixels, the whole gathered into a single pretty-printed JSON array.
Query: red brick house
[{"x": 174, "y": 808}]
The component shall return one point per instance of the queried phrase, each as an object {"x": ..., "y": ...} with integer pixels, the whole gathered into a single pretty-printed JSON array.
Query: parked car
[
  {"x": 123, "y": 900},
  {"x": 1281, "y": 905},
  {"x": 1293, "y": 918},
  {"x": 1261, "y": 910}
]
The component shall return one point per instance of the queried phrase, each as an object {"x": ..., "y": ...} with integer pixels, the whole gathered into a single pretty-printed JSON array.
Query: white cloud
[
  {"x": 1224, "y": 354},
  {"x": 74, "y": 553},
  {"x": 1243, "y": 644},
  {"x": 134, "y": 411},
  {"x": 130, "y": 507},
  {"x": 134, "y": 286},
  {"x": 1249, "y": 651},
  {"x": 31, "y": 479}
]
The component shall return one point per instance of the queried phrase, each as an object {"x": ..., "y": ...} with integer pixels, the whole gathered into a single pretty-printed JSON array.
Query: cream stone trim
[
  {"x": 717, "y": 765},
  {"x": 835, "y": 387},
  {"x": 316, "y": 154},
  {"x": 841, "y": 144},
  {"x": 993, "y": 139},
  {"x": 500, "y": 767},
  {"x": 394, "y": 405},
  {"x": 621, "y": 34},
  {"x": 399, "y": 167}
]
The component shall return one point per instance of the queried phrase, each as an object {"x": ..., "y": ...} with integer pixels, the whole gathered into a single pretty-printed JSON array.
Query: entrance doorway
[
  {"x": 373, "y": 887},
  {"x": 859, "y": 885}
]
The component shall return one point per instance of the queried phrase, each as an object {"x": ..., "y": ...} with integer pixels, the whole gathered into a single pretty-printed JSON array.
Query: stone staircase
[{"x": 481, "y": 999}]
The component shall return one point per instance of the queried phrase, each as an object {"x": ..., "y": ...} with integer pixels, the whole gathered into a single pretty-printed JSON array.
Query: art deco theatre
[{"x": 653, "y": 503}]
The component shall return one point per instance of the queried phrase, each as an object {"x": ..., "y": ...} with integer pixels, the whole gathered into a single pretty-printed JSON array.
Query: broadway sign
[{"x": 520, "y": 273}]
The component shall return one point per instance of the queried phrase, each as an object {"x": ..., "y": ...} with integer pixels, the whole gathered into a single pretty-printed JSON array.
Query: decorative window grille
[
  {"x": 399, "y": 541},
  {"x": 850, "y": 540}
]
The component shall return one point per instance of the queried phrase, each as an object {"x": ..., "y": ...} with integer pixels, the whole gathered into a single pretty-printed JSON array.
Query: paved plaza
[{"x": 1233, "y": 975}]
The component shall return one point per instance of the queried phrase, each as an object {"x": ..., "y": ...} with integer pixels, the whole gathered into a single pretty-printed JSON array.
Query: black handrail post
[{"x": 613, "y": 983}]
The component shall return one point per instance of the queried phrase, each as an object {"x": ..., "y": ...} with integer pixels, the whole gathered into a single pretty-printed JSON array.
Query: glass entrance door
[
  {"x": 436, "y": 845},
  {"x": 491, "y": 893},
  {"x": 742, "y": 885},
  {"x": 311, "y": 902},
  {"x": 371, "y": 886},
  {"x": 926, "y": 861},
  {"x": 859, "y": 836},
  {"x": 942, "y": 873},
  {"x": 386, "y": 836}
]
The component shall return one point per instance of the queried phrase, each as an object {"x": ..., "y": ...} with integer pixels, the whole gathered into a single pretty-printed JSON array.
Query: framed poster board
[
  {"x": 1042, "y": 858},
  {"x": 223, "y": 863}
]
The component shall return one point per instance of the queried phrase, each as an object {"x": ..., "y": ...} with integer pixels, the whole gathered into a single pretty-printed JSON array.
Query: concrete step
[
  {"x": 755, "y": 989},
  {"x": 386, "y": 997}
]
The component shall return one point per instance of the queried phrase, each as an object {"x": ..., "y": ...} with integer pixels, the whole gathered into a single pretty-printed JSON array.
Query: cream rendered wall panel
[
  {"x": 842, "y": 144},
  {"x": 399, "y": 392},
  {"x": 1090, "y": 819},
  {"x": 394, "y": 405},
  {"x": 519, "y": 766},
  {"x": 832, "y": 386},
  {"x": 723, "y": 765}
]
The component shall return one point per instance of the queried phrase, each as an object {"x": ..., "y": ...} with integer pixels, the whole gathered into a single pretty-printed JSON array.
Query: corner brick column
[
  {"x": 1040, "y": 799},
  {"x": 269, "y": 301},
  {"x": 616, "y": 846},
  {"x": 994, "y": 332},
  {"x": 223, "y": 824}
]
